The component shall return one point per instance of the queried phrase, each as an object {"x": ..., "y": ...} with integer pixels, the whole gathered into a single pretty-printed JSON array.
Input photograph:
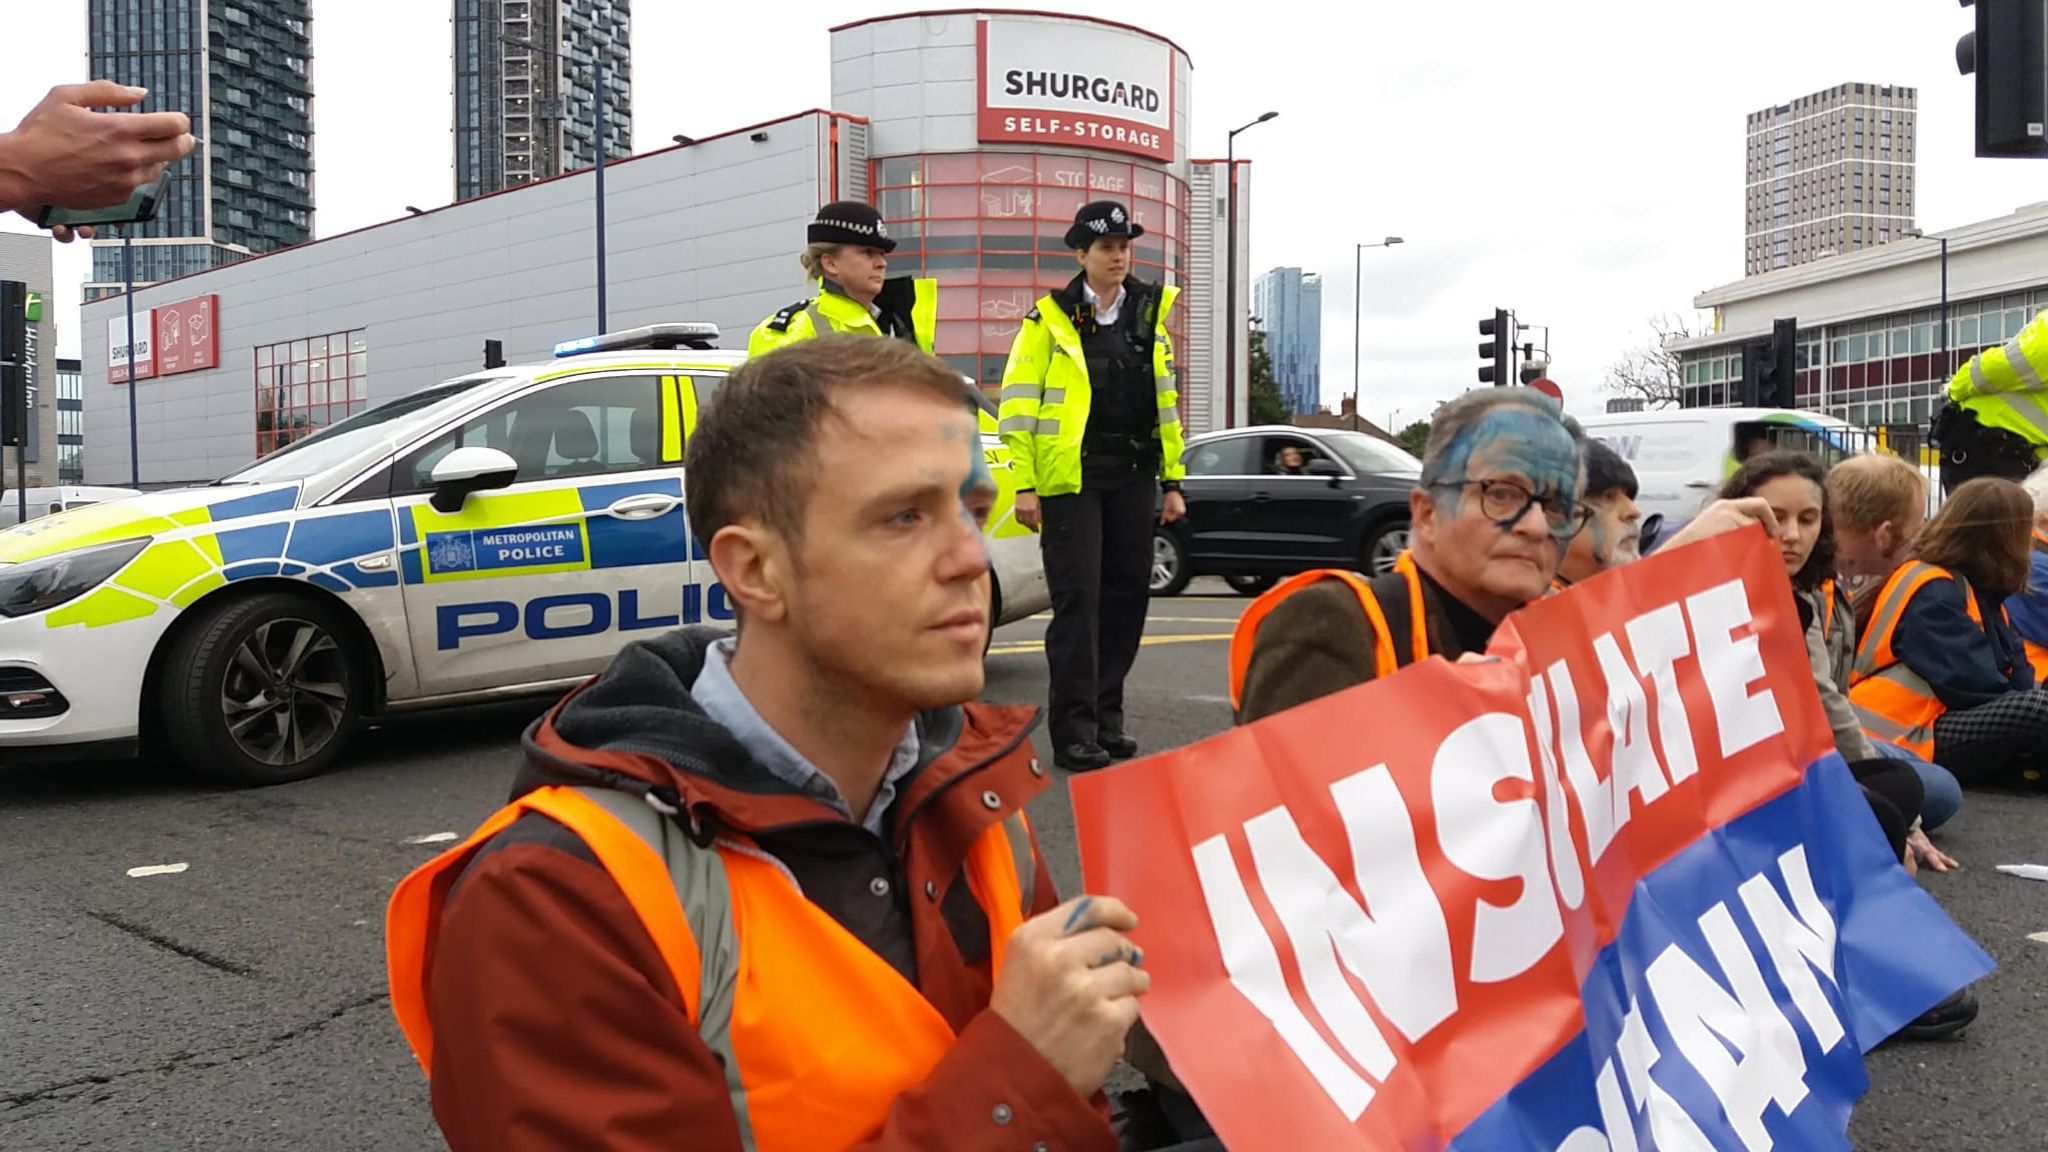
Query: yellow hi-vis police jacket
[
  {"x": 2007, "y": 387},
  {"x": 902, "y": 299},
  {"x": 1045, "y": 398}
]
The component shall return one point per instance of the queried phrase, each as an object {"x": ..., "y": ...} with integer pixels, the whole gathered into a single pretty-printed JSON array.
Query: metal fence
[{"x": 1909, "y": 442}]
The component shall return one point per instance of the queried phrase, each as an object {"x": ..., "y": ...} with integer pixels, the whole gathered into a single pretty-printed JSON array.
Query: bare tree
[{"x": 1652, "y": 373}]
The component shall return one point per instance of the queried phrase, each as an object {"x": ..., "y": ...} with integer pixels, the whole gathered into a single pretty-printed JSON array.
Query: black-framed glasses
[{"x": 1505, "y": 502}]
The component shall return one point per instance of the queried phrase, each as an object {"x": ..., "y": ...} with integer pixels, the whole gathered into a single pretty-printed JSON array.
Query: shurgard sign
[{"x": 1611, "y": 891}]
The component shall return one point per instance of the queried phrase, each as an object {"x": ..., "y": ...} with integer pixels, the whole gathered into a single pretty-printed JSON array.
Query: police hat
[
  {"x": 850, "y": 222},
  {"x": 1098, "y": 219}
]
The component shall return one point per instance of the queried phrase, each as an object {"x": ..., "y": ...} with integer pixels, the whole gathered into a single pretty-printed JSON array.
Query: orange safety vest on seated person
[
  {"x": 1894, "y": 702},
  {"x": 1387, "y": 659},
  {"x": 818, "y": 1035},
  {"x": 2037, "y": 654}
]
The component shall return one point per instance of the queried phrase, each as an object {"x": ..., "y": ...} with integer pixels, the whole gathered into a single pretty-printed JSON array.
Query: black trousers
[
  {"x": 1895, "y": 795},
  {"x": 1097, "y": 546}
]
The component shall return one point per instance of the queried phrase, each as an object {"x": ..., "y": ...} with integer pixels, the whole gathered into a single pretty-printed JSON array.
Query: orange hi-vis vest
[
  {"x": 1388, "y": 660},
  {"x": 1827, "y": 608},
  {"x": 818, "y": 1035},
  {"x": 1895, "y": 703},
  {"x": 2037, "y": 655}
]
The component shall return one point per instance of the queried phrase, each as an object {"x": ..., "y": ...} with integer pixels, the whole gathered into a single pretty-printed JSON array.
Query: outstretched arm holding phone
[{"x": 65, "y": 154}]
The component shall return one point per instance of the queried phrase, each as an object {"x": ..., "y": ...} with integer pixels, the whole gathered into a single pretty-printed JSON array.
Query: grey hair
[
  {"x": 1457, "y": 417},
  {"x": 2036, "y": 485}
]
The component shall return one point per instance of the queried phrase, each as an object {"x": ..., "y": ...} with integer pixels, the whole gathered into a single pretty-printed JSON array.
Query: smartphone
[{"x": 140, "y": 208}]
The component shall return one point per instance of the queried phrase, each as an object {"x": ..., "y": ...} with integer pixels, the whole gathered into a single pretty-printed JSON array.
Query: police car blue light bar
[{"x": 700, "y": 336}]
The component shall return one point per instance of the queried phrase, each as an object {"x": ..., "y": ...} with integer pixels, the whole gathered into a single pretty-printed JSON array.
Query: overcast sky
[{"x": 1580, "y": 162}]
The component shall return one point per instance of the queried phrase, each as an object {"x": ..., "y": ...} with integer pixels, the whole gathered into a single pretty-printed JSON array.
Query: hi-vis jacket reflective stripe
[
  {"x": 2004, "y": 387},
  {"x": 1045, "y": 399},
  {"x": 830, "y": 311},
  {"x": 1386, "y": 657},
  {"x": 1894, "y": 702},
  {"x": 817, "y": 1034}
]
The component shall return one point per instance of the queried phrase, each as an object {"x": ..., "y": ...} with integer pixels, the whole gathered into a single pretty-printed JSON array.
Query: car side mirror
[
  {"x": 1324, "y": 468},
  {"x": 467, "y": 470}
]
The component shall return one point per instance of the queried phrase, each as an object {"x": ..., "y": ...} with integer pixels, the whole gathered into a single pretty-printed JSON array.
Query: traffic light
[
  {"x": 2005, "y": 53},
  {"x": 13, "y": 363},
  {"x": 1499, "y": 350},
  {"x": 1770, "y": 377}
]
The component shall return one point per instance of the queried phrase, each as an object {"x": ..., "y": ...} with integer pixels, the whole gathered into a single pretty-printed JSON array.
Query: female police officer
[
  {"x": 1092, "y": 420},
  {"x": 846, "y": 255}
]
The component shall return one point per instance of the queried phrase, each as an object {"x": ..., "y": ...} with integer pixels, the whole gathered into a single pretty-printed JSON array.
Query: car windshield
[
  {"x": 389, "y": 423},
  {"x": 1371, "y": 455}
]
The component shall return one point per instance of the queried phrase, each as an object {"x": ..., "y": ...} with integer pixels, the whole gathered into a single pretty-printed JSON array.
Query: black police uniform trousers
[{"x": 1097, "y": 547}]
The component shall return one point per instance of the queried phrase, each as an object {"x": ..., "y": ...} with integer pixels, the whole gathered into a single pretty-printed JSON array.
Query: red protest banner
[{"x": 1370, "y": 917}]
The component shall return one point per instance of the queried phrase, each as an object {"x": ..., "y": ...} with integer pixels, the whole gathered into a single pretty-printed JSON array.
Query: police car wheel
[
  {"x": 1169, "y": 563},
  {"x": 262, "y": 690}
]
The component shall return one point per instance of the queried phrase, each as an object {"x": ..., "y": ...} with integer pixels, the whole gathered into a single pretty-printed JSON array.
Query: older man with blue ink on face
[{"x": 1497, "y": 505}]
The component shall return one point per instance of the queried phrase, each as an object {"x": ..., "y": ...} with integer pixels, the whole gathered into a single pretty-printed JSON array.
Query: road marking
[
  {"x": 158, "y": 870},
  {"x": 2038, "y": 937},
  {"x": 432, "y": 838},
  {"x": 1039, "y": 645}
]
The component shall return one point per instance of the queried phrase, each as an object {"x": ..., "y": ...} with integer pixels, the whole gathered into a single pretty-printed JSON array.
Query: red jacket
[{"x": 556, "y": 1023}]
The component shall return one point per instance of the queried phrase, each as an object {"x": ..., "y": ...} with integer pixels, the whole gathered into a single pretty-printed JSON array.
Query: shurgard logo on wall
[{"x": 1075, "y": 84}]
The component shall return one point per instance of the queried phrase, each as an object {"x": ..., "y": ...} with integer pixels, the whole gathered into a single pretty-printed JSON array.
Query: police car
[{"x": 498, "y": 534}]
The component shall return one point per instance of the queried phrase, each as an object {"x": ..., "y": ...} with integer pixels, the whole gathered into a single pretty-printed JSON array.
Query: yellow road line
[{"x": 1039, "y": 646}]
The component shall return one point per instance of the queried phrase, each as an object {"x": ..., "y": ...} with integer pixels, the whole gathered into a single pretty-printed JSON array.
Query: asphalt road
[{"x": 240, "y": 1003}]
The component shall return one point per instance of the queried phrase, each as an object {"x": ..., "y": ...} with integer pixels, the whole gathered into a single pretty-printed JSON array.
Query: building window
[
  {"x": 303, "y": 386},
  {"x": 988, "y": 227}
]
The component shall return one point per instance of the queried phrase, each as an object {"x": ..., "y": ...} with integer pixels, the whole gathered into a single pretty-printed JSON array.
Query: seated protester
[
  {"x": 1938, "y": 667},
  {"x": 1793, "y": 484},
  {"x": 1878, "y": 504},
  {"x": 1495, "y": 509},
  {"x": 1614, "y": 534},
  {"x": 2029, "y": 606},
  {"x": 776, "y": 890}
]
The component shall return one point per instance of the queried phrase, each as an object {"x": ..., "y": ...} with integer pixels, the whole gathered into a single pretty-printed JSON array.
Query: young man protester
[
  {"x": 776, "y": 893},
  {"x": 1497, "y": 506}
]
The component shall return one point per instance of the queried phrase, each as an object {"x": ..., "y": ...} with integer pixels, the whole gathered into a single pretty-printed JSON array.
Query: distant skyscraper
[
  {"x": 525, "y": 114},
  {"x": 1288, "y": 304},
  {"x": 1829, "y": 173},
  {"x": 242, "y": 70}
]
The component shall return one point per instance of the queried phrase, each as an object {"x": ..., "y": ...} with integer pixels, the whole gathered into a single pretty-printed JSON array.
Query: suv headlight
[{"x": 43, "y": 584}]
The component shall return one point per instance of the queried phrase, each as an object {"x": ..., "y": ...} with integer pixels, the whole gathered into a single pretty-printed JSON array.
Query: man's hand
[
  {"x": 1070, "y": 986},
  {"x": 1919, "y": 847},
  {"x": 1027, "y": 510},
  {"x": 1175, "y": 507},
  {"x": 65, "y": 154},
  {"x": 1727, "y": 516}
]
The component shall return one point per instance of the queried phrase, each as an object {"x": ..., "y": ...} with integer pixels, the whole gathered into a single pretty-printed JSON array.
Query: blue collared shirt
[{"x": 721, "y": 698}]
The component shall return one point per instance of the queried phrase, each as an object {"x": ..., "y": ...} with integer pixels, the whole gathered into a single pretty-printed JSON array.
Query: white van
[
  {"x": 63, "y": 498},
  {"x": 1681, "y": 455}
]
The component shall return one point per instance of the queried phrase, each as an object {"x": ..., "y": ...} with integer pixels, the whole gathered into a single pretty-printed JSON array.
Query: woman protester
[
  {"x": 1793, "y": 484},
  {"x": 1939, "y": 669}
]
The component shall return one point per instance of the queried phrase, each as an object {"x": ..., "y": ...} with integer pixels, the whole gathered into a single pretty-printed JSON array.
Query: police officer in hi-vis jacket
[
  {"x": 846, "y": 256},
  {"x": 1092, "y": 420}
]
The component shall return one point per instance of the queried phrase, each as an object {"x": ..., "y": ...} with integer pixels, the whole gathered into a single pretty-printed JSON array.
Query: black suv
[{"x": 1270, "y": 501}]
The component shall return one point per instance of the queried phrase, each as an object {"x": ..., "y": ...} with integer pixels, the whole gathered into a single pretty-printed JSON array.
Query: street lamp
[
  {"x": 1946, "y": 367},
  {"x": 1230, "y": 274},
  {"x": 597, "y": 95},
  {"x": 128, "y": 298},
  {"x": 1357, "y": 305}
]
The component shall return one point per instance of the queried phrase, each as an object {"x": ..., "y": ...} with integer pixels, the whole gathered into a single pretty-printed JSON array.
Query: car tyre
[
  {"x": 1169, "y": 563},
  {"x": 1250, "y": 585},
  {"x": 262, "y": 690},
  {"x": 1383, "y": 546}
]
